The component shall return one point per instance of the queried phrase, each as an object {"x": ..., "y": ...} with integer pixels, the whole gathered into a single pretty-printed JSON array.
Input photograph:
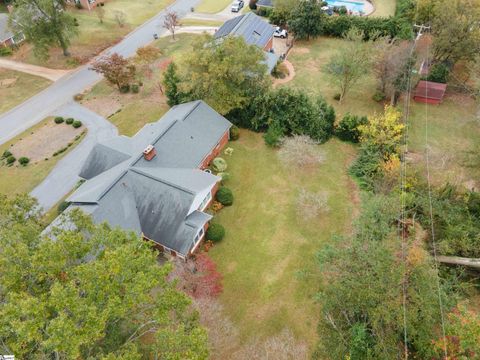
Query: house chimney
[{"x": 149, "y": 152}]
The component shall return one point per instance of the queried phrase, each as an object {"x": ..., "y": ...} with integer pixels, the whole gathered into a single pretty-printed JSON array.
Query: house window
[
  {"x": 198, "y": 236},
  {"x": 205, "y": 201}
]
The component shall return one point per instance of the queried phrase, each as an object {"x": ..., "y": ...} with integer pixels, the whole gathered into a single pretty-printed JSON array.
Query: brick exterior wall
[
  {"x": 269, "y": 45},
  {"x": 216, "y": 151}
]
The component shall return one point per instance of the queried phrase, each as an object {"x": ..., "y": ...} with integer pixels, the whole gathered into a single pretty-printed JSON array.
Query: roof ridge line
[
  {"x": 243, "y": 17},
  {"x": 114, "y": 182},
  {"x": 153, "y": 177}
]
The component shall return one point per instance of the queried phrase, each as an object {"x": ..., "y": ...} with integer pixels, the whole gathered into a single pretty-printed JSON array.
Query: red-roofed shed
[{"x": 430, "y": 92}]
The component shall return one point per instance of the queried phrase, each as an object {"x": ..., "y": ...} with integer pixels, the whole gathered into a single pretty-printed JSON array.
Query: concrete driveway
[
  {"x": 61, "y": 92},
  {"x": 64, "y": 176}
]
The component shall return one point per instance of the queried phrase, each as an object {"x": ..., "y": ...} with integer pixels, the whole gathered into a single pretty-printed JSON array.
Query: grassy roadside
[
  {"x": 212, "y": 6},
  {"x": 23, "y": 87}
]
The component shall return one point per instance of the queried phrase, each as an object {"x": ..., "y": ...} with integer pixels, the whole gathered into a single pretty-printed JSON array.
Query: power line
[{"x": 432, "y": 226}]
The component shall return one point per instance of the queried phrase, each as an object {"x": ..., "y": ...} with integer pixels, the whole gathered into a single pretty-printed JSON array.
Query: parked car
[
  {"x": 280, "y": 33},
  {"x": 237, "y": 6}
]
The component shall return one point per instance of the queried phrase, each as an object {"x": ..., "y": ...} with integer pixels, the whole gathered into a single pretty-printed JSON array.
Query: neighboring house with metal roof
[
  {"x": 7, "y": 36},
  {"x": 154, "y": 183},
  {"x": 255, "y": 30}
]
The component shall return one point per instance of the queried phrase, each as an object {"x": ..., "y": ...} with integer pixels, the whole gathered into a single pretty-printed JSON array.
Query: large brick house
[
  {"x": 154, "y": 183},
  {"x": 255, "y": 30}
]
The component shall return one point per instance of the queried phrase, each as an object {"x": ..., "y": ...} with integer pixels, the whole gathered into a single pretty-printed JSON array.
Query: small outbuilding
[{"x": 430, "y": 92}]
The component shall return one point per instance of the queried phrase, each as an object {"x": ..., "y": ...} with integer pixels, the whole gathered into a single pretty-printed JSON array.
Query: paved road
[
  {"x": 64, "y": 176},
  {"x": 61, "y": 92},
  {"x": 50, "y": 74}
]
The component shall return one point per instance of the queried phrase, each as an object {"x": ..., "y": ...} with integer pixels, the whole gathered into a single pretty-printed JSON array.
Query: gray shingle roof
[
  {"x": 254, "y": 29},
  {"x": 5, "y": 32},
  {"x": 154, "y": 197}
]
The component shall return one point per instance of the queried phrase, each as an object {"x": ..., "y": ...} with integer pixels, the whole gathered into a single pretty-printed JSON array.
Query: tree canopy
[
  {"x": 306, "y": 18},
  {"x": 87, "y": 292},
  {"x": 45, "y": 23},
  {"x": 224, "y": 73}
]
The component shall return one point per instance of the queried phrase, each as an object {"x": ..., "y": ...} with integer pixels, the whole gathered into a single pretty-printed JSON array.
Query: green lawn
[
  {"x": 453, "y": 132},
  {"x": 266, "y": 243},
  {"x": 24, "y": 87},
  {"x": 150, "y": 104},
  {"x": 308, "y": 59},
  {"x": 384, "y": 7},
  {"x": 19, "y": 179},
  {"x": 197, "y": 22},
  {"x": 94, "y": 36},
  {"x": 212, "y": 6}
]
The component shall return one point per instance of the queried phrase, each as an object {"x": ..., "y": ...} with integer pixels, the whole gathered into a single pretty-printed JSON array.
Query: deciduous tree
[
  {"x": 226, "y": 74},
  {"x": 391, "y": 66},
  {"x": 351, "y": 62},
  {"x": 306, "y": 19},
  {"x": 87, "y": 292},
  {"x": 116, "y": 69},
  {"x": 171, "y": 22},
  {"x": 455, "y": 30},
  {"x": 45, "y": 23}
]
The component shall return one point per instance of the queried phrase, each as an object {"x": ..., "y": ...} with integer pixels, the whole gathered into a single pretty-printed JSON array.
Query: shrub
[
  {"x": 280, "y": 71},
  {"x": 76, "y": 124},
  {"x": 438, "y": 73},
  {"x": 6, "y": 154},
  {"x": 274, "y": 135},
  {"x": 78, "y": 97},
  {"x": 219, "y": 164},
  {"x": 300, "y": 150},
  {"x": 69, "y": 121},
  {"x": 62, "y": 207},
  {"x": 215, "y": 232},
  {"x": 59, "y": 120},
  {"x": 337, "y": 96},
  {"x": 347, "y": 129},
  {"x": 234, "y": 133},
  {"x": 24, "y": 161},
  {"x": 6, "y": 51},
  {"x": 124, "y": 89},
  {"x": 378, "y": 96},
  {"x": 11, "y": 159},
  {"x": 225, "y": 176},
  {"x": 135, "y": 88},
  {"x": 224, "y": 196},
  {"x": 228, "y": 151}
]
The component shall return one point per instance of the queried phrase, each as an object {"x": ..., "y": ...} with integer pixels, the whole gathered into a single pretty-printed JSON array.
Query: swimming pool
[{"x": 354, "y": 6}]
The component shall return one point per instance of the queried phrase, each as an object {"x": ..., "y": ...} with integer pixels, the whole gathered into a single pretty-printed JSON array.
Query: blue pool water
[{"x": 350, "y": 5}]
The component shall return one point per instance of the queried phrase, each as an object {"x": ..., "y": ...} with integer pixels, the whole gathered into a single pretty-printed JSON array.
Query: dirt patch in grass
[
  {"x": 300, "y": 50},
  {"x": 105, "y": 107},
  {"x": 44, "y": 142}
]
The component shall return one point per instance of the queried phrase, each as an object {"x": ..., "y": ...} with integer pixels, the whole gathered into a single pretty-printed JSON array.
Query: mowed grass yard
[
  {"x": 130, "y": 112},
  {"x": 94, "y": 36},
  {"x": 38, "y": 140},
  {"x": 16, "y": 87},
  {"x": 267, "y": 244},
  {"x": 213, "y": 6},
  {"x": 453, "y": 125},
  {"x": 384, "y": 8}
]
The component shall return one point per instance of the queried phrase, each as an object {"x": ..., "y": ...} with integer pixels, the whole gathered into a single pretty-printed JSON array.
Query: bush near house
[
  {"x": 224, "y": 196},
  {"x": 69, "y": 121},
  {"x": 219, "y": 164},
  {"x": 347, "y": 128},
  {"x": 234, "y": 133},
  {"x": 59, "y": 120},
  {"x": 215, "y": 232}
]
